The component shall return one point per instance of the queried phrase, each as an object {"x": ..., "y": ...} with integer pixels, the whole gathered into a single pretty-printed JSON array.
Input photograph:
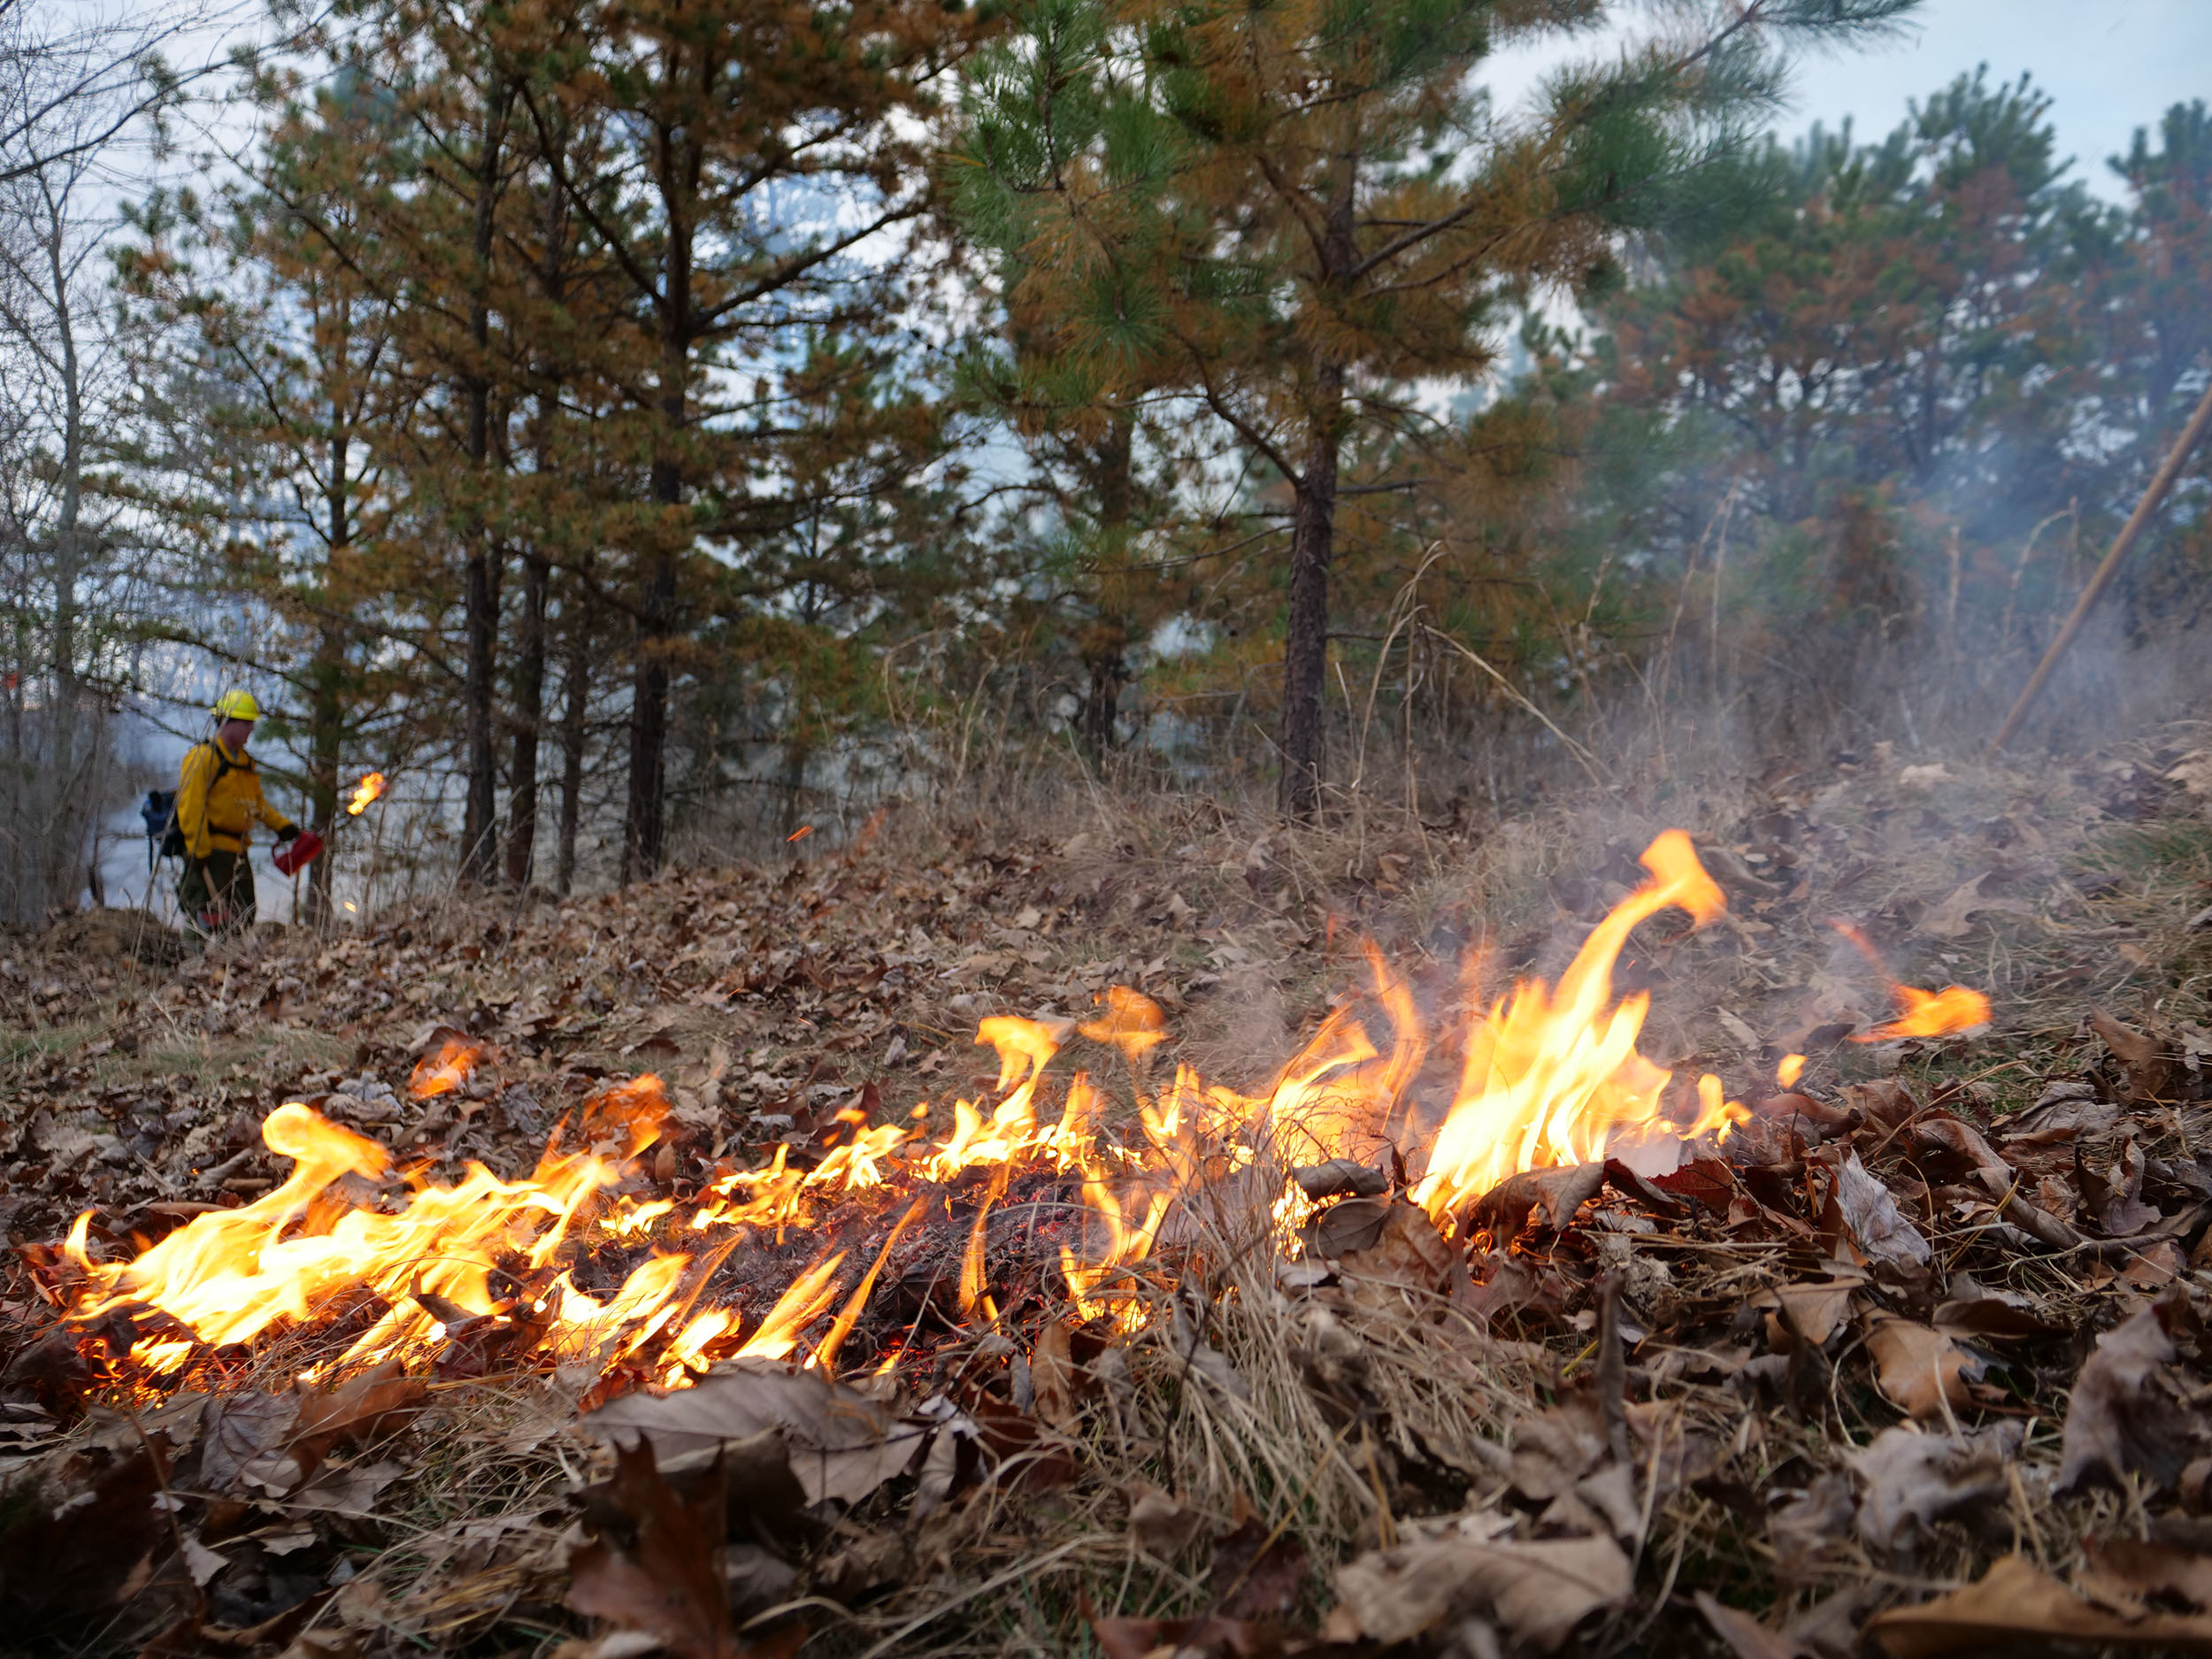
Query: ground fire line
[{"x": 488, "y": 1269}]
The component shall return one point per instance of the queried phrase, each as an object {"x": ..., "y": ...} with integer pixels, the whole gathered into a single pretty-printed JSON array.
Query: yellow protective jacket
[{"x": 218, "y": 796}]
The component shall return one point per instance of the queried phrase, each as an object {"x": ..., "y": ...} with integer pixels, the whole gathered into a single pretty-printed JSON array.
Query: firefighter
[{"x": 218, "y": 797}]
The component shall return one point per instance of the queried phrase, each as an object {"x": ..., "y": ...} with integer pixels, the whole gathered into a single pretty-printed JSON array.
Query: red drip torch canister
[{"x": 296, "y": 853}]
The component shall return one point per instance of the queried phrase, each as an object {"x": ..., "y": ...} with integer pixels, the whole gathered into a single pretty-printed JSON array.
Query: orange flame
[
  {"x": 445, "y": 1071},
  {"x": 1550, "y": 1075},
  {"x": 369, "y": 788},
  {"x": 1554, "y": 1077},
  {"x": 1920, "y": 1013},
  {"x": 1930, "y": 1013}
]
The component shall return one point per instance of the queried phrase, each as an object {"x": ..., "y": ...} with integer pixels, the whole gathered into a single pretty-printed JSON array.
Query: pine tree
[
  {"x": 733, "y": 108},
  {"x": 1291, "y": 213}
]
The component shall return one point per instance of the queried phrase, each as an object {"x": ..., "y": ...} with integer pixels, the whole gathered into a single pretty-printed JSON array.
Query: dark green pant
[{"x": 217, "y": 891}]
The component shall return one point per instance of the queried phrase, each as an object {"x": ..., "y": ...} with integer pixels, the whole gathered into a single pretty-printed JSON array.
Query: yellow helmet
[{"x": 237, "y": 705}]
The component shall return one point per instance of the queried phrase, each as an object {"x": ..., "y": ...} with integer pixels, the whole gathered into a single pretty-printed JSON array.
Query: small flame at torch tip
[{"x": 369, "y": 788}]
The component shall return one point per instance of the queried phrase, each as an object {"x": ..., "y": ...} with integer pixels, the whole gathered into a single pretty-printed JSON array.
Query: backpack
[{"x": 159, "y": 813}]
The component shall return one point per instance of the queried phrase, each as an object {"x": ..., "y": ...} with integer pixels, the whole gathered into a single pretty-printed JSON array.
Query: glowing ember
[
  {"x": 1550, "y": 1075},
  {"x": 367, "y": 790}
]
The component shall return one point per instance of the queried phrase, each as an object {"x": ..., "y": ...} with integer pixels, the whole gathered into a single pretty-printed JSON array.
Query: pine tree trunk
[
  {"x": 1313, "y": 535},
  {"x": 479, "y": 827},
  {"x": 1306, "y": 645},
  {"x": 529, "y": 717},
  {"x": 480, "y": 831},
  {"x": 325, "y": 737},
  {"x": 645, "y": 824},
  {"x": 575, "y": 728},
  {"x": 1105, "y": 644}
]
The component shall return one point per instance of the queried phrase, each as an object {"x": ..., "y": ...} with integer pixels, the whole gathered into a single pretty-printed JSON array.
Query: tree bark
[
  {"x": 1306, "y": 642},
  {"x": 1104, "y": 645},
  {"x": 529, "y": 717},
  {"x": 480, "y": 831},
  {"x": 1313, "y": 535},
  {"x": 575, "y": 728},
  {"x": 522, "y": 784},
  {"x": 325, "y": 737},
  {"x": 645, "y": 822}
]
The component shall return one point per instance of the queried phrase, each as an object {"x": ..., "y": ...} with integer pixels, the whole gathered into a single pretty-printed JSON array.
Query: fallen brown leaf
[
  {"x": 1872, "y": 1213},
  {"x": 1539, "y": 1591},
  {"x": 666, "y": 1578},
  {"x": 1552, "y": 1196},
  {"x": 1918, "y": 1368},
  {"x": 1161, "y": 1522},
  {"x": 2154, "y": 1068},
  {"x": 1052, "y": 1375},
  {"x": 2112, "y": 1187},
  {"x": 1914, "y": 1480},
  {"x": 1352, "y": 1224},
  {"x": 2019, "y": 1607},
  {"x": 1255, "y": 1574},
  {"x": 2129, "y": 1412},
  {"x": 843, "y": 1444},
  {"x": 1746, "y": 1638},
  {"x": 1340, "y": 1177},
  {"x": 1406, "y": 1253},
  {"x": 244, "y": 1444},
  {"x": 364, "y": 1408},
  {"x": 2135, "y": 1572},
  {"x": 68, "y": 1558}
]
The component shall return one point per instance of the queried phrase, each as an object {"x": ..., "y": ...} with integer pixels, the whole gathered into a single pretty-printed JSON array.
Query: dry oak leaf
[
  {"x": 1552, "y": 1196},
  {"x": 1872, "y": 1213},
  {"x": 1949, "y": 918},
  {"x": 2135, "y": 1573},
  {"x": 1257, "y": 1574},
  {"x": 1162, "y": 1523},
  {"x": 1552, "y": 1449},
  {"x": 2129, "y": 1412},
  {"x": 666, "y": 1578},
  {"x": 2153, "y": 1067},
  {"x": 843, "y": 1444},
  {"x": 1746, "y": 1638},
  {"x": 1918, "y": 1369},
  {"x": 244, "y": 1441},
  {"x": 1807, "y": 1313},
  {"x": 1406, "y": 1253},
  {"x": 68, "y": 1558},
  {"x": 2112, "y": 1187},
  {"x": 1537, "y": 1591},
  {"x": 1208, "y": 1636},
  {"x": 1914, "y": 1480},
  {"x": 1053, "y": 1374},
  {"x": 2018, "y": 1608}
]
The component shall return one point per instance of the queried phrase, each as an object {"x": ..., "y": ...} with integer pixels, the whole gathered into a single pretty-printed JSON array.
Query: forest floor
[{"x": 1914, "y": 1362}]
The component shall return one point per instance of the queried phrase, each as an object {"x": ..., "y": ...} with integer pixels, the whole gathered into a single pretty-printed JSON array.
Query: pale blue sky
[{"x": 2110, "y": 65}]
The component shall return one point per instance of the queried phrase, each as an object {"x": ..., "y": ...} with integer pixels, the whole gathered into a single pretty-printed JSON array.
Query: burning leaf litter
[{"x": 1474, "y": 1324}]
